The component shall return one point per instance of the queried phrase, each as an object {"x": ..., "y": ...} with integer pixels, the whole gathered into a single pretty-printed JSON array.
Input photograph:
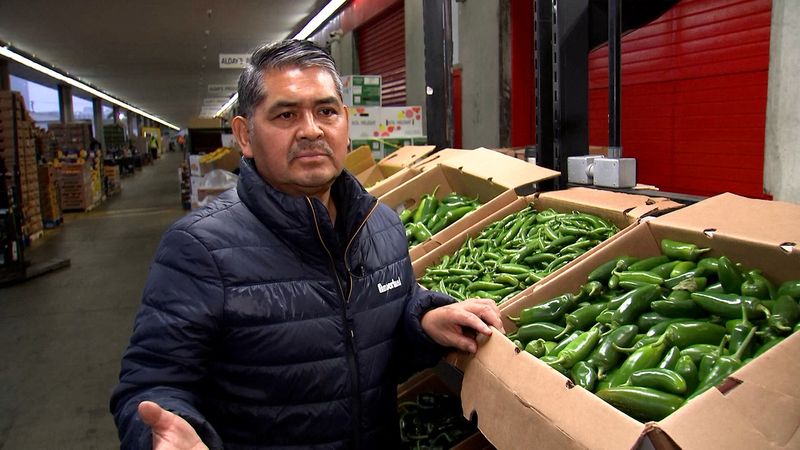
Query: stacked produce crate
[
  {"x": 114, "y": 136},
  {"x": 49, "y": 196},
  {"x": 72, "y": 136},
  {"x": 91, "y": 162},
  {"x": 113, "y": 180},
  {"x": 18, "y": 150},
  {"x": 76, "y": 187}
]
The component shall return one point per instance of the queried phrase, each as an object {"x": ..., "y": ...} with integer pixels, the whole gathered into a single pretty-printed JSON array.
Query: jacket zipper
[{"x": 348, "y": 331}]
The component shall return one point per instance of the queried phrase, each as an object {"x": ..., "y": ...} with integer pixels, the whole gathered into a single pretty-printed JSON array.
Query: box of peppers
[{"x": 680, "y": 332}]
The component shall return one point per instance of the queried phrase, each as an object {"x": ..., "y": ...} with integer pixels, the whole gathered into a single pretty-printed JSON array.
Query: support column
[
  {"x": 97, "y": 109},
  {"x": 438, "y": 80},
  {"x": 65, "y": 103},
  {"x": 5, "y": 77},
  {"x": 131, "y": 124}
]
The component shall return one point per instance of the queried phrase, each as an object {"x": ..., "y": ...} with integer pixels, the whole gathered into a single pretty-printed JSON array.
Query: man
[{"x": 283, "y": 314}]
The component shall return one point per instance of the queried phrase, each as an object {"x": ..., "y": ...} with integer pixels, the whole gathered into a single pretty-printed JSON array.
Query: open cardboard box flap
[
  {"x": 359, "y": 160},
  {"x": 435, "y": 158},
  {"x": 597, "y": 201},
  {"x": 405, "y": 157},
  {"x": 499, "y": 168},
  {"x": 730, "y": 215},
  {"x": 392, "y": 181}
]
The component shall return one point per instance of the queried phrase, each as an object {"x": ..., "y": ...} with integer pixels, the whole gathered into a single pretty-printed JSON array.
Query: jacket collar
[{"x": 292, "y": 216}]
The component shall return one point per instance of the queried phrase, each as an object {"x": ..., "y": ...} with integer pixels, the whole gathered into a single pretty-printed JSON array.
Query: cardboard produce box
[
  {"x": 758, "y": 406},
  {"x": 620, "y": 209},
  {"x": 483, "y": 174},
  {"x": 426, "y": 382},
  {"x": 369, "y": 172}
]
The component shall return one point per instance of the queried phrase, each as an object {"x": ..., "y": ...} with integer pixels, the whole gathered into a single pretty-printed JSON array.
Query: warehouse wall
[
  {"x": 479, "y": 55},
  {"x": 782, "y": 141}
]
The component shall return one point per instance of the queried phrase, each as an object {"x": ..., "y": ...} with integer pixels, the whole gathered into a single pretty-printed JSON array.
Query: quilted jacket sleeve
[
  {"x": 422, "y": 351},
  {"x": 166, "y": 359}
]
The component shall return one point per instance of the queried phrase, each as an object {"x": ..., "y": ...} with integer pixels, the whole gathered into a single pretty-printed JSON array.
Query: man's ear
[{"x": 242, "y": 136}]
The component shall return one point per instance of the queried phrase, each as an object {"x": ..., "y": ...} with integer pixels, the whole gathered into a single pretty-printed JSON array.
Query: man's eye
[
  {"x": 285, "y": 115},
  {"x": 327, "y": 111}
]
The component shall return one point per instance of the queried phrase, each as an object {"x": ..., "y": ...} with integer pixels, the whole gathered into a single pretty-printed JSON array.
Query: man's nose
[{"x": 308, "y": 127}]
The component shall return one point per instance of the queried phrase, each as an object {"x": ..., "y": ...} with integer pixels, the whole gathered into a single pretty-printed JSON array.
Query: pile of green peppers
[
  {"x": 647, "y": 335},
  {"x": 513, "y": 253},
  {"x": 434, "y": 421},
  {"x": 433, "y": 215}
]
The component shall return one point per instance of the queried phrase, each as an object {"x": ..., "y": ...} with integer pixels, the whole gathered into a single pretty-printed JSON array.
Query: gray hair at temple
[{"x": 277, "y": 56}]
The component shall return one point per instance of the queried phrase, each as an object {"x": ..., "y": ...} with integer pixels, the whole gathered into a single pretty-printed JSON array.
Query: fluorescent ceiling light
[
  {"x": 8, "y": 53},
  {"x": 322, "y": 16}
]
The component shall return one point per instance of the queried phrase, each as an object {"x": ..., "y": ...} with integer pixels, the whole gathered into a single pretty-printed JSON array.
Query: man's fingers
[{"x": 488, "y": 312}]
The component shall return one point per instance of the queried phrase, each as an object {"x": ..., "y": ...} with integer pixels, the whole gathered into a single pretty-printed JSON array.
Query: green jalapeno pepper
[
  {"x": 549, "y": 311},
  {"x": 790, "y": 288},
  {"x": 663, "y": 270},
  {"x": 536, "y": 347},
  {"x": 584, "y": 375},
  {"x": 697, "y": 351},
  {"x": 684, "y": 334},
  {"x": 649, "y": 263},
  {"x": 639, "y": 277},
  {"x": 603, "y": 272},
  {"x": 537, "y": 330},
  {"x": 644, "y": 404},
  {"x": 729, "y": 276},
  {"x": 681, "y": 250},
  {"x": 646, "y": 320},
  {"x": 638, "y": 303},
  {"x": 663, "y": 380},
  {"x": 670, "y": 359},
  {"x": 583, "y": 317},
  {"x": 646, "y": 357},
  {"x": 707, "y": 266},
  {"x": 673, "y": 308},
  {"x": 723, "y": 367},
  {"x": 785, "y": 314},
  {"x": 728, "y": 306},
  {"x": 427, "y": 206},
  {"x": 563, "y": 343},
  {"x": 755, "y": 287},
  {"x": 739, "y": 333},
  {"x": 687, "y": 368},
  {"x": 681, "y": 268},
  {"x": 579, "y": 349},
  {"x": 606, "y": 356}
]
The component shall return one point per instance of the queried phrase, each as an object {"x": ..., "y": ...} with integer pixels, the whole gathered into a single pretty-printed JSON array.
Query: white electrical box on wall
[
  {"x": 615, "y": 172},
  {"x": 580, "y": 169}
]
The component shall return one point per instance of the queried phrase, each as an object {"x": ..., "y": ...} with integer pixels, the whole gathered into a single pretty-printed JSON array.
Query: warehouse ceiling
[{"x": 159, "y": 56}]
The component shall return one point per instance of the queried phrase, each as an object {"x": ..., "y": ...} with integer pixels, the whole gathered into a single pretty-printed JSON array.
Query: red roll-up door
[
  {"x": 694, "y": 97},
  {"x": 381, "y": 45}
]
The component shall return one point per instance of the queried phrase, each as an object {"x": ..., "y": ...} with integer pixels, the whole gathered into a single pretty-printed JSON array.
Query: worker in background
[
  {"x": 285, "y": 313},
  {"x": 153, "y": 145}
]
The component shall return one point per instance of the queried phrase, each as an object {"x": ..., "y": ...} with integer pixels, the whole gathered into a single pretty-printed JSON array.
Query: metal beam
[{"x": 438, "y": 80}]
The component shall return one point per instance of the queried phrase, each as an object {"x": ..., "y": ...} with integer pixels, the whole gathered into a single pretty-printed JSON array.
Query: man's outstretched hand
[
  {"x": 449, "y": 325},
  {"x": 170, "y": 431}
]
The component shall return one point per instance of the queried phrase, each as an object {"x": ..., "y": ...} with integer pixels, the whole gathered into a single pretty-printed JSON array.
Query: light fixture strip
[
  {"x": 321, "y": 17},
  {"x": 5, "y": 51}
]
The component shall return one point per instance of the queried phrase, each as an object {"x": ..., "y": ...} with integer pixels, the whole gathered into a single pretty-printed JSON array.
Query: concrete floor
[{"x": 62, "y": 334}]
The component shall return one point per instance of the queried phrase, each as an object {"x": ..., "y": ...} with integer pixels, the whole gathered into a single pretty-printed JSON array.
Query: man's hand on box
[{"x": 454, "y": 325}]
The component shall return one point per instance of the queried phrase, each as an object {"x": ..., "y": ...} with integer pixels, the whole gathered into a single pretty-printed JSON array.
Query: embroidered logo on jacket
[{"x": 389, "y": 286}]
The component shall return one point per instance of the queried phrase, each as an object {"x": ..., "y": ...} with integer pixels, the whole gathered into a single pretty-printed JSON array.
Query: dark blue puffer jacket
[{"x": 265, "y": 326}]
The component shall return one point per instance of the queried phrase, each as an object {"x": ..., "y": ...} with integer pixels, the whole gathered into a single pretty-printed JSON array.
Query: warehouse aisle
[{"x": 62, "y": 334}]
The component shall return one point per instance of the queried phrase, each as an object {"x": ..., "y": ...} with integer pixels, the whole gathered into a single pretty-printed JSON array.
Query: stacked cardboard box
[
  {"x": 72, "y": 136},
  {"x": 17, "y": 147},
  {"x": 76, "y": 187},
  {"x": 49, "y": 196},
  {"x": 113, "y": 180}
]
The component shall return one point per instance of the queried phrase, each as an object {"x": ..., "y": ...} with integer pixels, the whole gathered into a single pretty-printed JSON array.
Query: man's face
[{"x": 299, "y": 132}]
